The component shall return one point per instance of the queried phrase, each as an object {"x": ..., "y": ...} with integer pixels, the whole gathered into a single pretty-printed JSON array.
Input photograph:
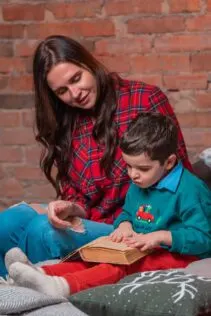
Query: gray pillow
[
  {"x": 156, "y": 293},
  {"x": 15, "y": 300},
  {"x": 201, "y": 267}
]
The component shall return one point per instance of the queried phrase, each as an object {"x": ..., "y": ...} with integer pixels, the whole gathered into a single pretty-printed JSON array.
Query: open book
[{"x": 104, "y": 250}]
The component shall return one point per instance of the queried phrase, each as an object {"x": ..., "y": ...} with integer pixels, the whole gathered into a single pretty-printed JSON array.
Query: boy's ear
[{"x": 171, "y": 161}]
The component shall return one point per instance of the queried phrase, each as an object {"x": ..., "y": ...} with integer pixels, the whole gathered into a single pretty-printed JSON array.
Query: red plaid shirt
[{"x": 100, "y": 196}]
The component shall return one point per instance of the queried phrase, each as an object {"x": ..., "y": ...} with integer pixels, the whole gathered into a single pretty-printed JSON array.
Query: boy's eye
[{"x": 143, "y": 170}]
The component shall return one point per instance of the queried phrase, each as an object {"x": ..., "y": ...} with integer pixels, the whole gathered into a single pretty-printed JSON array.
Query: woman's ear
[{"x": 171, "y": 161}]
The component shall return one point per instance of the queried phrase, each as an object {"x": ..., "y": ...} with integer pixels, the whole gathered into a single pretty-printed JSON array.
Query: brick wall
[{"x": 164, "y": 42}]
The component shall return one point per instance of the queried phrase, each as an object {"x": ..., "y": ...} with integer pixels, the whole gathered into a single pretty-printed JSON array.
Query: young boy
[{"x": 167, "y": 209}]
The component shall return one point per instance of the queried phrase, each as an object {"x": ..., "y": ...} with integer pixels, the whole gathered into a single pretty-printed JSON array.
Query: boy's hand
[
  {"x": 150, "y": 240},
  {"x": 124, "y": 231},
  {"x": 119, "y": 235}
]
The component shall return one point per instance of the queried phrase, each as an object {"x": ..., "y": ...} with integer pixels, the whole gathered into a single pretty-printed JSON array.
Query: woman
[{"x": 81, "y": 112}]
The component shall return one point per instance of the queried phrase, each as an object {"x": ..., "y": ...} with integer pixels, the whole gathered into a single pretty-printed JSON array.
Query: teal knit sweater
[{"x": 179, "y": 203}]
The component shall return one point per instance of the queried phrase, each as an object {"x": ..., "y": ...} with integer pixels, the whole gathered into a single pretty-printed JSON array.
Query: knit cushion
[
  {"x": 16, "y": 300},
  {"x": 157, "y": 293}
]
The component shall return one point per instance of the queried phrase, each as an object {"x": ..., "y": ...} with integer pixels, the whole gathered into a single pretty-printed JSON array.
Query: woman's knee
[
  {"x": 13, "y": 221},
  {"x": 40, "y": 240},
  {"x": 37, "y": 227}
]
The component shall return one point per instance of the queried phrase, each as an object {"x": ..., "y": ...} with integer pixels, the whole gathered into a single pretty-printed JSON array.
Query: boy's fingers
[{"x": 144, "y": 248}]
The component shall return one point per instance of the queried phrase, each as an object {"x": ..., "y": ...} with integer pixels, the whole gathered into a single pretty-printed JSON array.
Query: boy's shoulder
[{"x": 193, "y": 184}]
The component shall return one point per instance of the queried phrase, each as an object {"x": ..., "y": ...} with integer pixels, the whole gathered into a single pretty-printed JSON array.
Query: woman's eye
[
  {"x": 61, "y": 91},
  {"x": 76, "y": 78}
]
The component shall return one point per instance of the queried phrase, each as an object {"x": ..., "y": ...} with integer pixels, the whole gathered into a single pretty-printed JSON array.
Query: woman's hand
[{"x": 64, "y": 214}]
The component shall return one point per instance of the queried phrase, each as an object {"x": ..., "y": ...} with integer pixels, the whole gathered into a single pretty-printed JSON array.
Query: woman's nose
[{"x": 74, "y": 91}]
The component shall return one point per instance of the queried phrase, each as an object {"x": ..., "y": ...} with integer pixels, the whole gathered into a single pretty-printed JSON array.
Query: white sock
[
  {"x": 17, "y": 255},
  {"x": 25, "y": 275}
]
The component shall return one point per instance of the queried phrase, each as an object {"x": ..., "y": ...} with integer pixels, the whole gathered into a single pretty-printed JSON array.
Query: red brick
[
  {"x": 118, "y": 64},
  {"x": 16, "y": 12},
  {"x": 95, "y": 28},
  {"x": 183, "y": 101},
  {"x": 28, "y": 118},
  {"x": 124, "y": 46},
  {"x": 3, "y": 82},
  {"x": 6, "y": 49},
  {"x": 21, "y": 83},
  {"x": 186, "y": 81},
  {"x": 146, "y": 63},
  {"x": 79, "y": 28},
  {"x": 32, "y": 155},
  {"x": 174, "y": 62},
  {"x": 183, "y": 6},
  {"x": 88, "y": 44},
  {"x": 209, "y": 5},
  {"x": 193, "y": 153},
  {"x": 8, "y": 64},
  {"x": 18, "y": 136},
  {"x": 203, "y": 99},
  {"x": 10, "y": 119},
  {"x": 197, "y": 137},
  {"x": 6, "y": 202},
  {"x": 156, "y": 25},
  {"x": 28, "y": 173},
  {"x": 25, "y": 49},
  {"x": 199, "y": 23},
  {"x": 201, "y": 61},
  {"x": 29, "y": 64},
  {"x": 11, "y": 31},
  {"x": 11, "y": 188},
  {"x": 157, "y": 63},
  {"x": 184, "y": 42},
  {"x": 11, "y": 154},
  {"x": 41, "y": 191},
  {"x": 3, "y": 205},
  {"x": 2, "y": 173},
  {"x": 16, "y": 101},
  {"x": 195, "y": 119},
  {"x": 126, "y": 7},
  {"x": 74, "y": 10},
  {"x": 150, "y": 79}
]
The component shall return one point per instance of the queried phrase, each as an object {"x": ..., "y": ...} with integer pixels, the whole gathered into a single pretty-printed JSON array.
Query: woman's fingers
[
  {"x": 57, "y": 215},
  {"x": 58, "y": 223}
]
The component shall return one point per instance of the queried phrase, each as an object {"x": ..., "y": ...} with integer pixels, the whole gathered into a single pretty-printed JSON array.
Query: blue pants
[{"x": 23, "y": 227}]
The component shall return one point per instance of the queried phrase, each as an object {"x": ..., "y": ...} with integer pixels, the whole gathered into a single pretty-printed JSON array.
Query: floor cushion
[{"x": 156, "y": 293}]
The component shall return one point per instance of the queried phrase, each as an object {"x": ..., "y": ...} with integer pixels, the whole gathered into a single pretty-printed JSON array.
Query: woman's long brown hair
[{"x": 55, "y": 121}]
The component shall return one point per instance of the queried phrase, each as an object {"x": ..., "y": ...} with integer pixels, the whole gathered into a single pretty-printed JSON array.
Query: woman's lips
[{"x": 84, "y": 100}]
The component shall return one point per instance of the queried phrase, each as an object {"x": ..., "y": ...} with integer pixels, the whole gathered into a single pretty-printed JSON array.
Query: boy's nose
[{"x": 133, "y": 174}]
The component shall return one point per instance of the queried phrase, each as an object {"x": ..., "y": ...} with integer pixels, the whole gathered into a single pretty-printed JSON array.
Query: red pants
[{"x": 82, "y": 275}]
